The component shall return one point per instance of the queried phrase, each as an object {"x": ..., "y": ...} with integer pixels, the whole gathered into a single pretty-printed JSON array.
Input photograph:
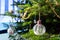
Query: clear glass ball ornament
[{"x": 39, "y": 29}]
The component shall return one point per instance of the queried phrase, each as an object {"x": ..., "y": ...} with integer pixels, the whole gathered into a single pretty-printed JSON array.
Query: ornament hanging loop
[
  {"x": 39, "y": 21},
  {"x": 39, "y": 15}
]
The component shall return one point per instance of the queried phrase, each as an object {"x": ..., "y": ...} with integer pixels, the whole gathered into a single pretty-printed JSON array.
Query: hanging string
[{"x": 39, "y": 15}]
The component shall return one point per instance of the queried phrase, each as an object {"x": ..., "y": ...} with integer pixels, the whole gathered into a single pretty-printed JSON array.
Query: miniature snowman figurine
[{"x": 39, "y": 29}]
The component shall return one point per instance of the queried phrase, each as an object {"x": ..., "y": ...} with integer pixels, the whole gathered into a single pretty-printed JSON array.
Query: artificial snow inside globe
[{"x": 39, "y": 29}]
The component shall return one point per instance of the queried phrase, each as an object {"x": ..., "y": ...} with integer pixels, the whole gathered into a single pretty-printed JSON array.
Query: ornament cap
[{"x": 39, "y": 22}]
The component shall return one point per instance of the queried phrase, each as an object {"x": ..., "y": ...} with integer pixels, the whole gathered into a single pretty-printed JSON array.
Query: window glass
[{"x": 5, "y": 5}]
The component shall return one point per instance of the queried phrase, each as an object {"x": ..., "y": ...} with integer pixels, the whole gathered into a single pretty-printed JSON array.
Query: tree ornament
[
  {"x": 11, "y": 30},
  {"x": 39, "y": 29}
]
